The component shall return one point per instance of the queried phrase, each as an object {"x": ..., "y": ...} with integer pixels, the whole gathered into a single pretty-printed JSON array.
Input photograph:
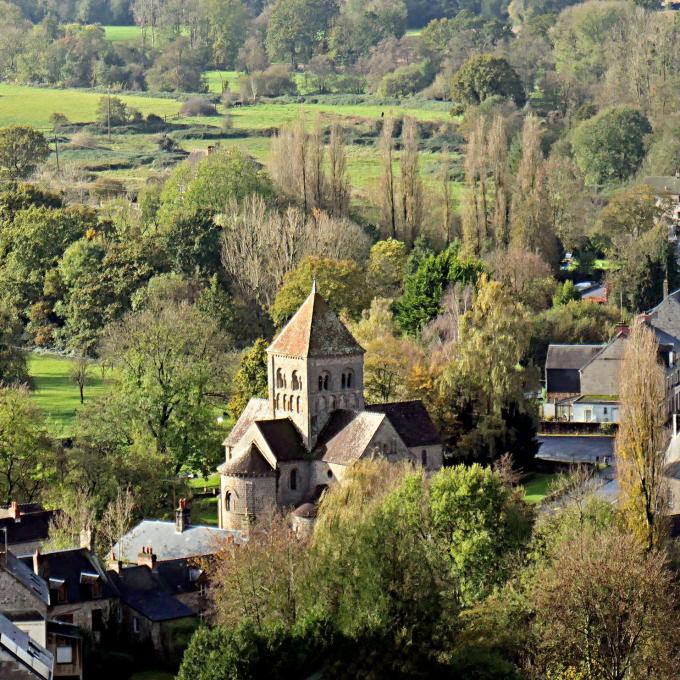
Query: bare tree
[
  {"x": 80, "y": 374},
  {"x": 387, "y": 190},
  {"x": 316, "y": 174},
  {"x": 117, "y": 520},
  {"x": 497, "y": 151},
  {"x": 411, "y": 184},
  {"x": 338, "y": 185},
  {"x": 448, "y": 215},
  {"x": 475, "y": 215},
  {"x": 642, "y": 437}
]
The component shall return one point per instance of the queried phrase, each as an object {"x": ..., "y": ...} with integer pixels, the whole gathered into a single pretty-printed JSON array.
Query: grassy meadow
[
  {"x": 122, "y": 33},
  {"x": 537, "y": 487},
  {"x": 55, "y": 393}
]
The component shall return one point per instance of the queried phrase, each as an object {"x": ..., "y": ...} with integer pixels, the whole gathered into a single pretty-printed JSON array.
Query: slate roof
[
  {"x": 167, "y": 544},
  {"x": 575, "y": 449},
  {"x": 570, "y": 357},
  {"x": 257, "y": 409},
  {"x": 251, "y": 464},
  {"x": 31, "y": 526},
  {"x": 315, "y": 331},
  {"x": 283, "y": 439},
  {"x": 143, "y": 591},
  {"x": 26, "y": 651},
  {"x": 77, "y": 568},
  {"x": 411, "y": 421},
  {"x": 26, "y": 576},
  {"x": 347, "y": 435},
  {"x": 666, "y": 316},
  {"x": 663, "y": 184}
]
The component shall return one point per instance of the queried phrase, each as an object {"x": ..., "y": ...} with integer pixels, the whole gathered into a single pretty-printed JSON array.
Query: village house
[
  {"x": 21, "y": 657},
  {"x": 25, "y": 526},
  {"x": 285, "y": 450}
]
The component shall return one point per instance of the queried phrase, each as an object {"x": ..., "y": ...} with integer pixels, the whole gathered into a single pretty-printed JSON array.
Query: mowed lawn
[
  {"x": 122, "y": 33},
  {"x": 537, "y": 486},
  {"x": 56, "y": 394},
  {"x": 26, "y": 105}
]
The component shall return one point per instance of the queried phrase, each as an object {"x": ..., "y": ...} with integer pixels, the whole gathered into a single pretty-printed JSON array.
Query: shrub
[
  {"x": 276, "y": 81},
  {"x": 82, "y": 140},
  {"x": 198, "y": 106},
  {"x": 58, "y": 120},
  {"x": 406, "y": 80},
  {"x": 107, "y": 187}
]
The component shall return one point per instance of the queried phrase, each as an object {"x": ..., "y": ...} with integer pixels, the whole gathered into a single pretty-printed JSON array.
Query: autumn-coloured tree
[{"x": 642, "y": 438}]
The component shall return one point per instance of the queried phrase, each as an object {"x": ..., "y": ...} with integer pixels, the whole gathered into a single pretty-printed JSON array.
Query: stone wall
[{"x": 252, "y": 495}]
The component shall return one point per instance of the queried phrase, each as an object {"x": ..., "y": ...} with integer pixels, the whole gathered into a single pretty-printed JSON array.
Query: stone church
[{"x": 285, "y": 450}]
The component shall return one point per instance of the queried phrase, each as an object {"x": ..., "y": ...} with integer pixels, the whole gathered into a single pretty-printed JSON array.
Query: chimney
[
  {"x": 87, "y": 539},
  {"x": 40, "y": 564},
  {"x": 113, "y": 564},
  {"x": 182, "y": 516},
  {"x": 146, "y": 558},
  {"x": 15, "y": 511}
]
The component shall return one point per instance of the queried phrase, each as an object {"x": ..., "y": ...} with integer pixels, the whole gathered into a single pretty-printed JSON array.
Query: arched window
[
  {"x": 296, "y": 383},
  {"x": 278, "y": 402},
  {"x": 347, "y": 379},
  {"x": 293, "y": 479},
  {"x": 342, "y": 382},
  {"x": 227, "y": 501},
  {"x": 297, "y": 406},
  {"x": 324, "y": 381},
  {"x": 423, "y": 457},
  {"x": 279, "y": 378}
]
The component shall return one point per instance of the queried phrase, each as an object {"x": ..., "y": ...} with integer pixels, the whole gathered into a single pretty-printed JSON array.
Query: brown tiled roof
[
  {"x": 251, "y": 464},
  {"x": 315, "y": 331},
  {"x": 257, "y": 409},
  {"x": 347, "y": 435},
  {"x": 283, "y": 438},
  {"x": 411, "y": 421}
]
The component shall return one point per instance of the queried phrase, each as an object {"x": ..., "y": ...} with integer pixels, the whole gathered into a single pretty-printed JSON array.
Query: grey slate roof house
[
  {"x": 286, "y": 449},
  {"x": 21, "y": 658}
]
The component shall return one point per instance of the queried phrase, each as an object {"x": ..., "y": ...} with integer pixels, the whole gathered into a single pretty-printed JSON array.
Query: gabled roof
[
  {"x": 411, "y": 421},
  {"x": 167, "y": 544},
  {"x": 282, "y": 438},
  {"x": 74, "y": 568},
  {"x": 315, "y": 331},
  {"x": 25, "y": 576},
  {"x": 143, "y": 591},
  {"x": 570, "y": 357},
  {"x": 251, "y": 464},
  {"x": 666, "y": 316},
  {"x": 257, "y": 409},
  {"x": 28, "y": 653},
  {"x": 347, "y": 435}
]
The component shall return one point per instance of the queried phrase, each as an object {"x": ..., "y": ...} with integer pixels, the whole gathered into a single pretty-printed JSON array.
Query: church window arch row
[
  {"x": 280, "y": 379},
  {"x": 347, "y": 380}
]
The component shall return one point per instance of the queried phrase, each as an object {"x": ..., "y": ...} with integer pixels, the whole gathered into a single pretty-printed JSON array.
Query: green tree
[
  {"x": 26, "y": 455},
  {"x": 610, "y": 146},
  {"x": 296, "y": 26},
  {"x": 13, "y": 368},
  {"x": 250, "y": 379},
  {"x": 22, "y": 150},
  {"x": 170, "y": 361},
  {"x": 112, "y": 111},
  {"x": 341, "y": 282},
  {"x": 228, "y": 23},
  {"x": 564, "y": 293},
  {"x": 423, "y": 289},
  {"x": 484, "y": 76}
]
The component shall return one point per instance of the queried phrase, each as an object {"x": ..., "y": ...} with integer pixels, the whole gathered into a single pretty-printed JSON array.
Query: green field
[
  {"x": 56, "y": 394},
  {"x": 217, "y": 79},
  {"x": 121, "y": 33},
  {"x": 537, "y": 487},
  {"x": 25, "y": 105},
  {"x": 204, "y": 511}
]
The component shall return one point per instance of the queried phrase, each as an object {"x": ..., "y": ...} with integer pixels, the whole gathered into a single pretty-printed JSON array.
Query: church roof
[
  {"x": 257, "y": 409},
  {"x": 347, "y": 435},
  {"x": 411, "y": 421},
  {"x": 250, "y": 464},
  {"x": 315, "y": 331},
  {"x": 283, "y": 439}
]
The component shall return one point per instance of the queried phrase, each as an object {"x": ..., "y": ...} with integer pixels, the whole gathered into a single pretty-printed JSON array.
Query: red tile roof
[{"x": 315, "y": 331}]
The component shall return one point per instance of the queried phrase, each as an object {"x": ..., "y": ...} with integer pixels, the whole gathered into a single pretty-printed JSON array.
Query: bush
[
  {"x": 406, "y": 80},
  {"x": 198, "y": 106},
  {"x": 108, "y": 187},
  {"x": 276, "y": 81},
  {"x": 58, "y": 120},
  {"x": 82, "y": 140}
]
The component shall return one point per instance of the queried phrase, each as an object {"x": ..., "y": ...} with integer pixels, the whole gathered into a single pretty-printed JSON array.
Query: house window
[
  {"x": 64, "y": 654},
  {"x": 135, "y": 624},
  {"x": 606, "y": 410},
  {"x": 293, "y": 480},
  {"x": 423, "y": 457},
  {"x": 227, "y": 501}
]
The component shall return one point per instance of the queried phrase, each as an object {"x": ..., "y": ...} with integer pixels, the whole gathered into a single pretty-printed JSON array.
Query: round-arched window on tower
[
  {"x": 227, "y": 501},
  {"x": 324, "y": 381},
  {"x": 347, "y": 379},
  {"x": 293, "y": 479}
]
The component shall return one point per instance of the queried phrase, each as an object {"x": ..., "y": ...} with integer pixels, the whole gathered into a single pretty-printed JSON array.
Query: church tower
[{"x": 315, "y": 366}]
